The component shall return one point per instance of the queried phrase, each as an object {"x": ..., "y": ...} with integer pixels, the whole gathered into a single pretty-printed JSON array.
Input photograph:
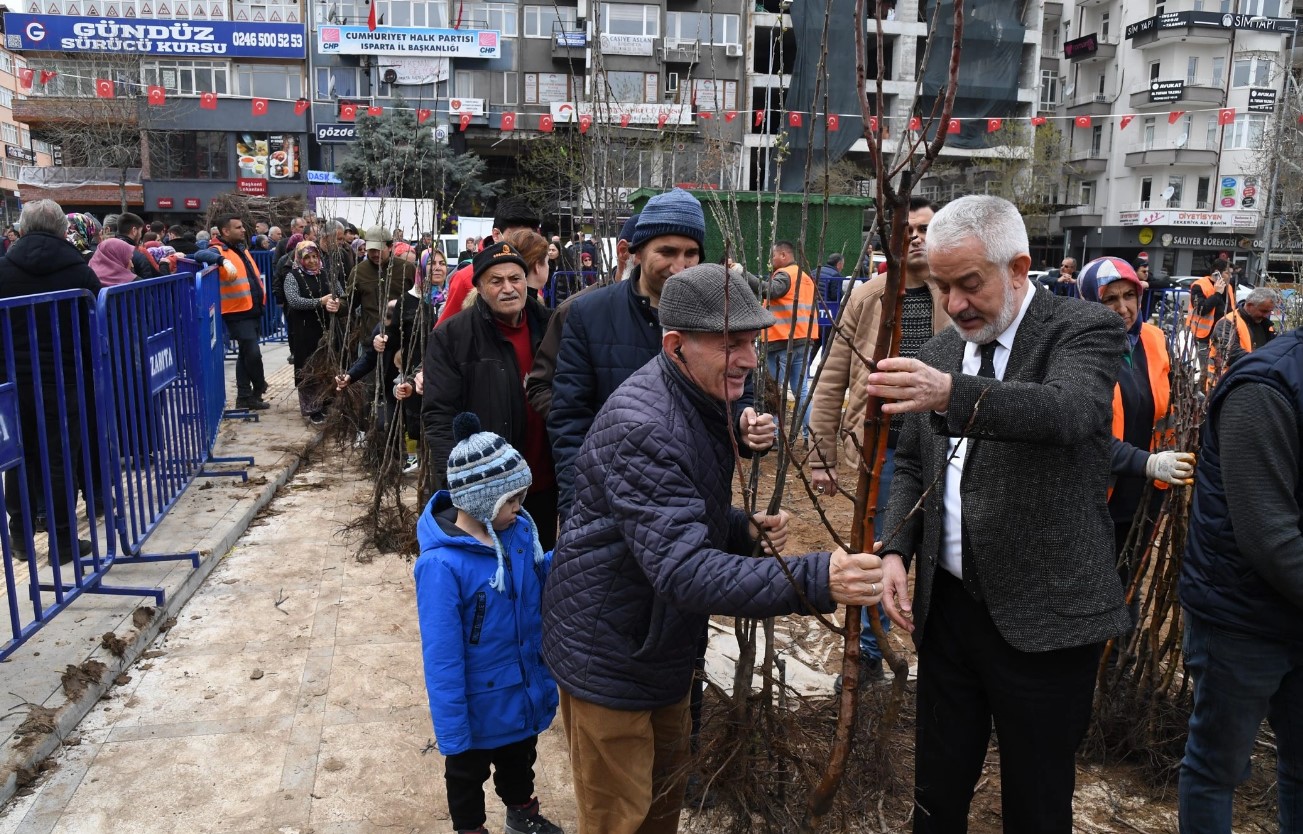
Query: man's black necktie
[{"x": 971, "y": 582}]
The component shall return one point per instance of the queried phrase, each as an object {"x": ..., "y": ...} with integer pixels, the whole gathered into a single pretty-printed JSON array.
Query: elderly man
[
  {"x": 653, "y": 548},
  {"x": 477, "y": 362},
  {"x": 297, "y": 225},
  {"x": 378, "y": 279},
  {"x": 512, "y": 214},
  {"x": 43, "y": 261},
  {"x": 1006, "y": 444},
  {"x": 1242, "y": 588},
  {"x": 1242, "y": 330}
]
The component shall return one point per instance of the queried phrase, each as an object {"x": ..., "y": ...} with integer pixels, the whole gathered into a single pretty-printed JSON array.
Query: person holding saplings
[{"x": 479, "y": 590}]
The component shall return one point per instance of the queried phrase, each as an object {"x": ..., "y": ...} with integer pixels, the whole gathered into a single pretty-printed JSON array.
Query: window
[
  {"x": 1049, "y": 89},
  {"x": 1146, "y": 191},
  {"x": 6, "y": 62},
  {"x": 11, "y": 170},
  {"x": 1210, "y": 138},
  {"x": 547, "y": 87},
  {"x": 702, "y": 27},
  {"x": 1201, "y": 192},
  {"x": 1219, "y": 71},
  {"x": 76, "y": 78},
  {"x": 340, "y": 82},
  {"x": 40, "y": 146},
  {"x": 1182, "y": 139},
  {"x": 1174, "y": 186},
  {"x": 1246, "y": 131},
  {"x": 500, "y": 16},
  {"x": 416, "y": 13},
  {"x": 472, "y": 84},
  {"x": 188, "y": 78},
  {"x": 1260, "y": 8},
  {"x": 1099, "y": 90},
  {"x": 1191, "y": 69},
  {"x": 267, "y": 81},
  {"x": 1155, "y": 70},
  {"x": 629, "y": 19},
  {"x": 1096, "y": 140},
  {"x": 1103, "y": 27},
  {"x": 189, "y": 155},
  {"x": 510, "y": 87},
  {"x": 10, "y": 132},
  {"x": 629, "y": 87},
  {"x": 1148, "y": 133},
  {"x": 1254, "y": 71},
  {"x": 1088, "y": 193},
  {"x": 6, "y": 97},
  {"x": 544, "y": 21}
]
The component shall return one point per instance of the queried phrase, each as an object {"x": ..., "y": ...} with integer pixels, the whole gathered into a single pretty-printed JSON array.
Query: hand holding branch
[{"x": 910, "y": 386}]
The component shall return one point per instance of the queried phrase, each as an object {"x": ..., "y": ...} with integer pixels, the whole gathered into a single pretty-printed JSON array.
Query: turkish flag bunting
[
  {"x": 834, "y": 122},
  {"x": 259, "y": 106},
  {"x": 1175, "y": 116},
  {"x": 25, "y": 78},
  {"x": 1226, "y": 116},
  {"x": 47, "y": 76},
  {"x": 873, "y": 124},
  {"x": 915, "y": 123},
  {"x": 348, "y": 112},
  {"x": 585, "y": 122},
  {"x": 992, "y": 125},
  {"x": 1037, "y": 121},
  {"x": 103, "y": 88},
  {"x": 1126, "y": 120},
  {"x": 730, "y": 116},
  {"x": 793, "y": 119},
  {"x": 464, "y": 121},
  {"x": 545, "y": 123},
  {"x": 377, "y": 112},
  {"x": 371, "y": 18},
  {"x": 423, "y": 115},
  {"x": 625, "y": 118},
  {"x": 760, "y": 118},
  {"x": 662, "y": 119},
  {"x": 301, "y": 106},
  {"x": 706, "y": 114},
  {"x": 208, "y": 101},
  {"x": 953, "y": 127},
  {"x": 157, "y": 95},
  {"x": 508, "y": 121},
  {"x": 1082, "y": 121}
]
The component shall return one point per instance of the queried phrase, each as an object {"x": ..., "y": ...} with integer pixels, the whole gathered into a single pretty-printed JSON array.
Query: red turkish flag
[
  {"x": 508, "y": 121},
  {"x": 1082, "y": 121},
  {"x": 706, "y": 114},
  {"x": 371, "y": 17},
  {"x": 423, "y": 115},
  {"x": 661, "y": 119},
  {"x": 464, "y": 121},
  {"x": 625, "y": 118},
  {"x": 730, "y": 116},
  {"x": 545, "y": 123},
  {"x": 760, "y": 118},
  {"x": 25, "y": 76},
  {"x": 208, "y": 101},
  {"x": 1126, "y": 120},
  {"x": 873, "y": 124},
  {"x": 301, "y": 106},
  {"x": 915, "y": 123},
  {"x": 834, "y": 122},
  {"x": 1226, "y": 116},
  {"x": 1175, "y": 116},
  {"x": 377, "y": 112},
  {"x": 992, "y": 125},
  {"x": 1037, "y": 121},
  {"x": 103, "y": 88},
  {"x": 953, "y": 127},
  {"x": 259, "y": 106},
  {"x": 793, "y": 119},
  {"x": 157, "y": 95},
  {"x": 47, "y": 76},
  {"x": 348, "y": 112},
  {"x": 585, "y": 122}
]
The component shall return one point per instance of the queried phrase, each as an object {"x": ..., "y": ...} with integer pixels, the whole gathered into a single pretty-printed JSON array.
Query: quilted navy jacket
[{"x": 653, "y": 547}]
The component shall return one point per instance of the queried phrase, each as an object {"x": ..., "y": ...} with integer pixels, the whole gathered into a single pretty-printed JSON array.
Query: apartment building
[
  {"x": 161, "y": 104},
  {"x": 20, "y": 150},
  {"x": 1171, "y": 106}
]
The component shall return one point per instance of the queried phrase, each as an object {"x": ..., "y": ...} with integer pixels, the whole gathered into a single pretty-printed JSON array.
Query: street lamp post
[{"x": 1279, "y": 131}]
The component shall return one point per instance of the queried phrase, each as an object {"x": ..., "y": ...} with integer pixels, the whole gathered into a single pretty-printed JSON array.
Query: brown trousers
[{"x": 628, "y": 766}]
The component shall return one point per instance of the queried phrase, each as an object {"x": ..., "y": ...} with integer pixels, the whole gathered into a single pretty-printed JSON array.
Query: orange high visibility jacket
[
  {"x": 1159, "y": 365},
  {"x": 795, "y": 311},
  {"x": 237, "y": 296},
  {"x": 1201, "y": 324},
  {"x": 1216, "y": 366}
]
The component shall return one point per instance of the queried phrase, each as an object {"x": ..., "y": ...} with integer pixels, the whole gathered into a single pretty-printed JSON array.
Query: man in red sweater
[{"x": 512, "y": 213}]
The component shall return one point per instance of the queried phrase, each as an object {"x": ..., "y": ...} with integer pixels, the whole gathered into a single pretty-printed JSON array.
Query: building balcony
[
  {"x": 1080, "y": 217},
  {"x": 1087, "y": 160},
  {"x": 81, "y": 186},
  {"x": 39, "y": 111},
  {"x": 1147, "y": 154},
  {"x": 569, "y": 45},
  {"x": 1200, "y": 91},
  {"x": 1089, "y": 104},
  {"x": 1053, "y": 10},
  {"x": 1175, "y": 27},
  {"x": 1089, "y": 50}
]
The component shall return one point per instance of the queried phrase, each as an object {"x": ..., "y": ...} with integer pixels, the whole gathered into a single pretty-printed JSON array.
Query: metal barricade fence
[
  {"x": 209, "y": 362},
  {"x": 562, "y": 285},
  {"x": 273, "y": 318}
]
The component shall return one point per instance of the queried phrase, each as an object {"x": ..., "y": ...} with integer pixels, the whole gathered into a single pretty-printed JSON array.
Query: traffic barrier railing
[
  {"x": 210, "y": 363},
  {"x": 273, "y": 318},
  {"x": 562, "y": 285}
]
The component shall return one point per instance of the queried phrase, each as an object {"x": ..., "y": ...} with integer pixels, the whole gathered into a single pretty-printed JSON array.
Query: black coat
[
  {"x": 653, "y": 547},
  {"x": 470, "y": 366}
]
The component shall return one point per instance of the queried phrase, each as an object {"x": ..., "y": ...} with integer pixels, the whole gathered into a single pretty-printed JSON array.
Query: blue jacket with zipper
[{"x": 482, "y": 649}]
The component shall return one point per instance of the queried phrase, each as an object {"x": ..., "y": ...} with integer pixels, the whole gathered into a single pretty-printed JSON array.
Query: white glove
[{"x": 1171, "y": 467}]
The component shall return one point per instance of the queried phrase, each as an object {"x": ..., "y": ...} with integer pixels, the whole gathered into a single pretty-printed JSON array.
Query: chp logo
[
  {"x": 329, "y": 39},
  {"x": 35, "y": 31},
  {"x": 489, "y": 39}
]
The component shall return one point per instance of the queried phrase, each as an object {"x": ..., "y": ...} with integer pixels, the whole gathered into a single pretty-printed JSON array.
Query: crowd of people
[{"x": 576, "y": 455}]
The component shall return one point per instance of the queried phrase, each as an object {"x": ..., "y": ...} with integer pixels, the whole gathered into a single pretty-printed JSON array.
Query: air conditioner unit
[
  {"x": 733, "y": 50},
  {"x": 390, "y": 76},
  {"x": 1100, "y": 98}
]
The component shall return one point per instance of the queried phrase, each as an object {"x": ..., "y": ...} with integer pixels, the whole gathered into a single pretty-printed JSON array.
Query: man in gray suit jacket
[{"x": 1006, "y": 450}]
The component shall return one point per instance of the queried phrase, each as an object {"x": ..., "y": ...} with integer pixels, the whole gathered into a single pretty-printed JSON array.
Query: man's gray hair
[
  {"x": 43, "y": 216},
  {"x": 992, "y": 222},
  {"x": 1262, "y": 294},
  {"x": 330, "y": 227}
]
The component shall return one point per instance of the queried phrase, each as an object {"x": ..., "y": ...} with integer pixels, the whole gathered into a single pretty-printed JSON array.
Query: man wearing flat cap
[{"x": 653, "y": 547}]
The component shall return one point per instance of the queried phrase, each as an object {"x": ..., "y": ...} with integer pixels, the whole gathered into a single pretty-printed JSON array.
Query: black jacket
[
  {"x": 470, "y": 366},
  {"x": 653, "y": 547},
  {"x": 140, "y": 261}
]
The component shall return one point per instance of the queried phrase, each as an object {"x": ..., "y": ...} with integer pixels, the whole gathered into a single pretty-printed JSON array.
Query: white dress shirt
[{"x": 952, "y": 543}]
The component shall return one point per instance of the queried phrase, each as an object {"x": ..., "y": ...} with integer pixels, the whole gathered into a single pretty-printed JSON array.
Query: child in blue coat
[{"x": 479, "y": 588}]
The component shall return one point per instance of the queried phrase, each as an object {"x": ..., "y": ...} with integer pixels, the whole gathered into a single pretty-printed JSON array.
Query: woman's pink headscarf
[{"x": 112, "y": 262}]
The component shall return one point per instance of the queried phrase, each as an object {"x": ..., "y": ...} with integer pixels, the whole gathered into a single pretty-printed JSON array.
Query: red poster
[{"x": 251, "y": 187}]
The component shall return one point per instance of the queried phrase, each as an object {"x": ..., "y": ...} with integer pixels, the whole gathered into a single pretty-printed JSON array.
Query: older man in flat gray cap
[{"x": 653, "y": 547}]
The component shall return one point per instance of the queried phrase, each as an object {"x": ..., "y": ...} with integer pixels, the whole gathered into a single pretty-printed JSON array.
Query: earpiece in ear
[{"x": 678, "y": 351}]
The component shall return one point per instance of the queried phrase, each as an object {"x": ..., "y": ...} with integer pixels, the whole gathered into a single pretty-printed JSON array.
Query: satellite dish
[
  {"x": 390, "y": 76},
  {"x": 1184, "y": 140},
  {"x": 1069, "y": 89},
  {"x": 1168, "y": 193}
]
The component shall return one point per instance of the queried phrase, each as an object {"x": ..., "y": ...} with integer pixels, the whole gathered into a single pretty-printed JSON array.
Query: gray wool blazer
[{"x": 1035, "y": 479}]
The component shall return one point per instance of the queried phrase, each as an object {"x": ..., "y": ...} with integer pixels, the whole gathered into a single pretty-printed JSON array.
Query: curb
[{"x": 27, "y": 758}]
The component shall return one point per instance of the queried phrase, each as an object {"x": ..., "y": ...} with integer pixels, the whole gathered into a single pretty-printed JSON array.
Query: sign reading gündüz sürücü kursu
[
  {"x": 391, "y": 40},
  {"x": 130, "y": 36}
]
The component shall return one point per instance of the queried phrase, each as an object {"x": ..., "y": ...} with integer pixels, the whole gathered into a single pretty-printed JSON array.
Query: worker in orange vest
[
  {"x": 789, "y": 293},
  {"x": 1208, "y": 303},
  {"x": 1141, "y": 401},
  {"x": 243, "y": 295},
  {"x": 1241, "y": 331}
]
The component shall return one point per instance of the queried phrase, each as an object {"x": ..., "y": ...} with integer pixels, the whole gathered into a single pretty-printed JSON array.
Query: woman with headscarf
[
  {"x": 311, "y": 301},
  {"x": 83, "y": 232},
  {"x": 1141, "y": 401},
  {"x": 112, "y": 262},
  {"x": 433, "y": 271}
]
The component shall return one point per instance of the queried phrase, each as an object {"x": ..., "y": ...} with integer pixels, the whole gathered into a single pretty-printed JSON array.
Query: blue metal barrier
[
  {"x": 273, "y": 319},
  {"x": 562, "y": 285},
  {"x": 208, "y": 359}
]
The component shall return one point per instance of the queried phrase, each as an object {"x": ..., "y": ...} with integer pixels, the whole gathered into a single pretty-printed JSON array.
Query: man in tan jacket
[{"x": 837, "y": 434}]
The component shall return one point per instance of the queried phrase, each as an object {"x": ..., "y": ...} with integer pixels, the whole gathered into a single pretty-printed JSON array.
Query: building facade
[{"x": 20, "y": 149}]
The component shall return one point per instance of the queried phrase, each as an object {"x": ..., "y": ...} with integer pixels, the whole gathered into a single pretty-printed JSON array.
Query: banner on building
[
  {"x": 568, "y": 112},
  {"x": 415, "y": 70},
  {"x": 335, "y": 133},
  {"x": 639, "y": 45},
  {"x": 130, "y": 36},
  {"x": 389, "y": 40},
  {"x": 466, "y": 107},
  {"x": 1262, "y": 100},
  {"x": 1172, "y": 217}
]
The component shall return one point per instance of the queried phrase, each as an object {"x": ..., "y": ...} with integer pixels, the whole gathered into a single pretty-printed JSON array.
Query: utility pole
[{"x": 1278, "y": 132}]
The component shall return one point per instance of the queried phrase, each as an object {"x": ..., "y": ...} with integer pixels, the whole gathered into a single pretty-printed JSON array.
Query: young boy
[{"x": 479, "y": 589}]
